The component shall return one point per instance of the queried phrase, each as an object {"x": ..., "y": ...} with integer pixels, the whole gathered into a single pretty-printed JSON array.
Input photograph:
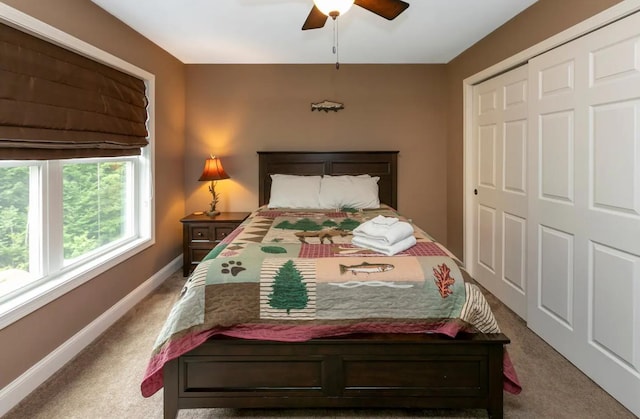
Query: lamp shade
[
  {"x": 329, "y": 6},
  {"x": 213, "y": 170}
]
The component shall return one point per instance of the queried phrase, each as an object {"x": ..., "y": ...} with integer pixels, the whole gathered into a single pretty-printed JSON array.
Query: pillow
[
  {"x": 291, "y": 191},
  {"x": 349, "y": 192}
]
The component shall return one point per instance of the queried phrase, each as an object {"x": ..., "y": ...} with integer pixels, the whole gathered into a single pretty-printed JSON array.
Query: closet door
[
  {"x": 584, "y": 205},
  {"x": 499, "y": 164}
]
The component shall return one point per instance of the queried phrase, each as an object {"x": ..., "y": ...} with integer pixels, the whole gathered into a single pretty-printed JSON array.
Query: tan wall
[
  {"x": 235, "y": 110},
  {"x": 27, "y": 341},
  {"x": 537, "y": 23}
]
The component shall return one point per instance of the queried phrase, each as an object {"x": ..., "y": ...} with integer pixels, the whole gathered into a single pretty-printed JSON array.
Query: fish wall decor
[{"x": 327, "y": 105}]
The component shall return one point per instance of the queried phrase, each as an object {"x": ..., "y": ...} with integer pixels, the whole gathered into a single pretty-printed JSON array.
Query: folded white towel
[
  {"x": 385, "y": 221},
  {"x": 380, "y": 247},
  {"x": 389, "y": 234}
]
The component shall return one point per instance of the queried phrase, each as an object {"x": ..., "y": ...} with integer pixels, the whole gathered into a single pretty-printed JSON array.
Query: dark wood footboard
[{"x": 369, "y": 371}]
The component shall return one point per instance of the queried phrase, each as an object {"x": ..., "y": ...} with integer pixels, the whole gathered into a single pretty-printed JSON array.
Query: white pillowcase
[
  {"x": 349, "y": 192},
  {"x": 291, "y": 191}
]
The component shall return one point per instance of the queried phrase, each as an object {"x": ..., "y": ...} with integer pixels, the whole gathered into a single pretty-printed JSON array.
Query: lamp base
[{"x": 212, "y": 213}]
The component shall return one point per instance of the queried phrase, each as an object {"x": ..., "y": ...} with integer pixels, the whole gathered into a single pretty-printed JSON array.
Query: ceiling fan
[{"x": 322, "y": 9}]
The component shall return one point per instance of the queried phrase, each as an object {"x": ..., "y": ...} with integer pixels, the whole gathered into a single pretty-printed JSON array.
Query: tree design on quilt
[
  {"x": 288, "y": 289},
  {"x": 443, "y": 280}
]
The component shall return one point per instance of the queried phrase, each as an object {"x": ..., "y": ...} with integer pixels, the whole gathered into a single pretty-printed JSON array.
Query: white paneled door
[
  {"x": 499, "y": 167},
  {"x": 584, "y": 205}
]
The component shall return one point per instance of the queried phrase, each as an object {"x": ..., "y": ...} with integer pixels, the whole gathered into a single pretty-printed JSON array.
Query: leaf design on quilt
[{"x": 443, "y": 280}]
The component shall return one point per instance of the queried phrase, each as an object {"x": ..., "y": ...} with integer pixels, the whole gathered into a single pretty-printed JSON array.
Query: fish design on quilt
[
  {"x": 356, "y": 284},
  {"x": 366, "y": 268}
]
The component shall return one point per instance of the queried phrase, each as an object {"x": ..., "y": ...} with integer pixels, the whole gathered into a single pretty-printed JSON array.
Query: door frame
[{"x": 597, "y": 21}]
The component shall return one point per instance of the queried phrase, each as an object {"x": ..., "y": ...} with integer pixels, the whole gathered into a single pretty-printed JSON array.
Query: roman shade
[{"x": 57, "y": 104}]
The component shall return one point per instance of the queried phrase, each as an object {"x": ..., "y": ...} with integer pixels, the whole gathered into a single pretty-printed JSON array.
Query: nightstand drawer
[
  {"x": 222, "y": 231},
  {"x": 197, "y": 255},
  {"x": 199, "y": 234},
  {"x": 210, "y": 233}
]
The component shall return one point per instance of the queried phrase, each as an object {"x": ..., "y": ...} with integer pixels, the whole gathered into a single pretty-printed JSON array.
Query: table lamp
[{"x": 213, "y": 171}]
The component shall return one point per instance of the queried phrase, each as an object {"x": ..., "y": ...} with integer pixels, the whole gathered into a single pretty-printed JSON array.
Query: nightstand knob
[
  {"x": 224, "y": 234},
  {"x": 199, "y": 234}
]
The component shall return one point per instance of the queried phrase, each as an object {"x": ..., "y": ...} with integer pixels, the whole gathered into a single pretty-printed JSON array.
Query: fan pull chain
[{"x": 335, "y": 43}]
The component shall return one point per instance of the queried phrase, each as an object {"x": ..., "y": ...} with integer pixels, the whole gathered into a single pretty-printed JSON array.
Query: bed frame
[{"x": 364, "y": 371}]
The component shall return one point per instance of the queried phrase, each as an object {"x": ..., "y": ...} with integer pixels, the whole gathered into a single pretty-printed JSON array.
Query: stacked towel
[
  {"x": 386, "y": 235},
  {"x": 388, "y": 230},
  {"x": 386, "y": 249}
]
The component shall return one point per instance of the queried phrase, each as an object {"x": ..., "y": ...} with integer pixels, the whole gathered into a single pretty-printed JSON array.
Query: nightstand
[{"x": 201, "y": 233}]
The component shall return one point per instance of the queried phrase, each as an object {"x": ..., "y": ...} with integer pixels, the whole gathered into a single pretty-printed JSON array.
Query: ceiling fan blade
[
  {"x": 388, "y": 9},
  {"x": 315, "y": 20}
]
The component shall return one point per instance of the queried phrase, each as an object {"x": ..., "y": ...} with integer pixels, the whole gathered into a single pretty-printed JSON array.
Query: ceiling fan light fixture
[{"x": 333, "y": 8}]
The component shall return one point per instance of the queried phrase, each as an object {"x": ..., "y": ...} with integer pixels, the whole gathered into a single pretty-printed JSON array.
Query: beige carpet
[{"x": 104, "y": 380}]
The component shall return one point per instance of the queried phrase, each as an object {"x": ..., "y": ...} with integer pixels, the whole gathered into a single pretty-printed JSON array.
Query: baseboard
[{"x": 19, "y": 388}]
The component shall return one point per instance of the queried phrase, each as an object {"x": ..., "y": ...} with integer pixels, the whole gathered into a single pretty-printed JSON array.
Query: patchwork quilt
[{"x": 293, "y": 275}]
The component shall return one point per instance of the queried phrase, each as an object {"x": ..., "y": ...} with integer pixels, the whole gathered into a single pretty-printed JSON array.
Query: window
[
  {"x": 14, "y": 245},
  {"x": 97, "y": 206},
  {"x": 60, "y": 218},
  {"x": 63, "y": 222},
  {"x": 98, "y": 213}
]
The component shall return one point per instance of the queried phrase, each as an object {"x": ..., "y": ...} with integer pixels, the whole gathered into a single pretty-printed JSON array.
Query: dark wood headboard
[{"x": 375, "y": 163}]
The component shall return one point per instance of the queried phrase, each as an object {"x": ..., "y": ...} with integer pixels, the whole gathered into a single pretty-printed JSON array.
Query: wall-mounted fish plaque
[{"x": 326, "y": 105}]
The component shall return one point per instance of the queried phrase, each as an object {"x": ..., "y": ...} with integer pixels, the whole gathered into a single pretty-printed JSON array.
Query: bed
[{"x": 457, "y": 366}]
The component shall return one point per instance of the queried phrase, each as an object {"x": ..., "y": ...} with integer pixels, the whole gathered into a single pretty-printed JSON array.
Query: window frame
[{"x": 68, "y": 278}]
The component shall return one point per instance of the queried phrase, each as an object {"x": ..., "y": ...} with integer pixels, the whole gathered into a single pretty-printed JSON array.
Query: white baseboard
[{"x": 19, "y": 388}]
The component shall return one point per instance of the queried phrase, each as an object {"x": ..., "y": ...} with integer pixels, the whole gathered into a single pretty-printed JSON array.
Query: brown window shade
[{"x": 56, "y": 104}]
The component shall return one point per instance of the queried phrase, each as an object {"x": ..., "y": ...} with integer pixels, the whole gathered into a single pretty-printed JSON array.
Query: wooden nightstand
[{"x": 201, "y": 233}]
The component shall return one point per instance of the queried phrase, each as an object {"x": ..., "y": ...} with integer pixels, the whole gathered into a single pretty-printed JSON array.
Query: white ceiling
[{"x": 268, "y": 31}]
